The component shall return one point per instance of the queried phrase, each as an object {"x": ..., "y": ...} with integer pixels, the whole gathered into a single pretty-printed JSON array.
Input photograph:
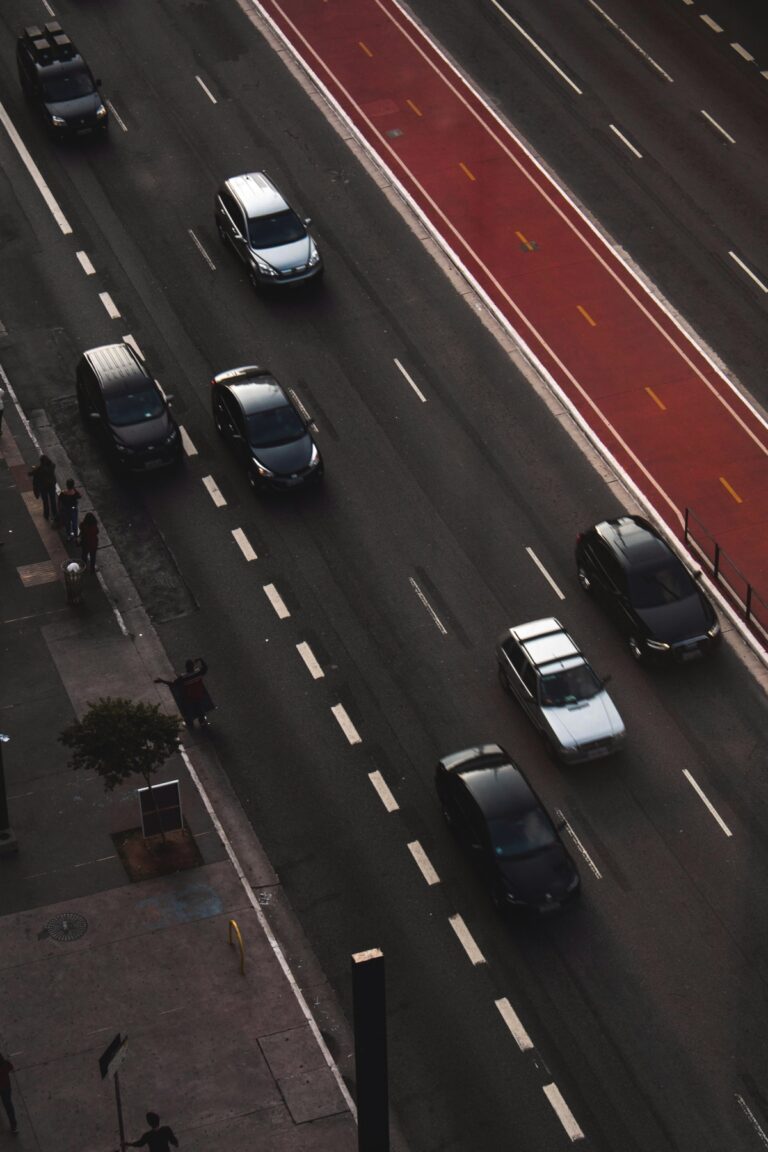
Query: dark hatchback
[
  {"x": 647, "y": 590},
  {"x": 56, "y": 78},
  {"x": 490, "y": 805},
  {"x": 266, "y": 430}
]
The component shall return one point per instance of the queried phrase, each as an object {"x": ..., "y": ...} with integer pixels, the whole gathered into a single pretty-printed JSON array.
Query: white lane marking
[
  {"x": 533, "y": 44},
  {"x": 710, "y": 23},
  {"x": 207, "y": 90},
  {"x": 428, "y": 606},
  {"x": 423, "y": 862},
  {"x": 563, "y": 1112},
  {"x": 416, "y": 389},
  {"x": 276, "y": 601},
  {"x": 382, "y": 788},
  {"x": 300, "y": 406},
  {"x": 715, "y": 124},
  {"x": 186, "y": 441},
  {"x": 743, "y": 53},
  {"x": 109, "y": 304},
  {"x": 632, "y": 43},
  {"x": 85, "y": 264},
  {"x": 48, "y": 7},
  {"x": 466, "y": 939},
  {"x": 310, "y": 660},
  {"x": 624, "y": 140},
  {"x": 213, "y": 491},
  {"x": 764, "y": 75},
  {"x": 752, "y": 1119},
  {"x": 587, "y": 858},
  {"x": 116, "y": 116},
  {"x": 34, "y": 172},
  {"x": 544, "y": 573},
  {"x": 512, "y": 1021},
  {"x": 744, "y": 268},
  {"x": 128, "y": 339},
  {"x": 202, "y": 250},
  {"x": 346, "y": 725},
  {"x": 244, "y": 544},
  {"x": 712, "y": 810}
]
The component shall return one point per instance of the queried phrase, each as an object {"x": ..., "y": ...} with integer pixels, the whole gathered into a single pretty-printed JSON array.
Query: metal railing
[
  {"x": 233, "y": 925},
  {"x": 731, "y": 580}
]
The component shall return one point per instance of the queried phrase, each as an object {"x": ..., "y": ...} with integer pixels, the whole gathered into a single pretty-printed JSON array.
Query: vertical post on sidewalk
[
  {"x": 369, "y": 1009},
  {"x": 109, "y": 1062},
  {"x": 119, "y": 1103},
  {"x": 8, "y": 843}
]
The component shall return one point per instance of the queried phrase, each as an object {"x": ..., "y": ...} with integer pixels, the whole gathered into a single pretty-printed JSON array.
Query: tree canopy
[{"x": 118, "y": 738}]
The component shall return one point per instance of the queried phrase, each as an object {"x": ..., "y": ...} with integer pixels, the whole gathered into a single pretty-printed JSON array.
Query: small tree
[{"x": 118, "y": 738}]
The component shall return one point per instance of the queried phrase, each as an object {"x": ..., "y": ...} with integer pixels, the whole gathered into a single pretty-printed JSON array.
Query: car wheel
[
  {"x": 217, "y": 425},
  {"x": 636, "y": 648},
  {"x": 584, "y": 578}
]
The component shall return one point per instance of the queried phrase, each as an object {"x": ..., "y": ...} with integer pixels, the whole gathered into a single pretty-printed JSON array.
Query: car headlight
[
  {"x": 262, "y": 471},
  {"x": 120, "y": 447},
  {"x": 314, "y": 257},
  {"x": 714, "y": 630},
  {"x": 657, "y": 645},
  {"x": 314, "y": 459},
  {"x": 263, "y": 267},
  {"x": 101, "y": 111},
  {"x": 58, "y": 122}
]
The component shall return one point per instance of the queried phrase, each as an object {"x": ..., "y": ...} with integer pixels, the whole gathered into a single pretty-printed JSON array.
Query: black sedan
[
  {"x": 647, "y": 590},
  {"x": 495, "y": 813},
  {"x": 267, "y": 431}
]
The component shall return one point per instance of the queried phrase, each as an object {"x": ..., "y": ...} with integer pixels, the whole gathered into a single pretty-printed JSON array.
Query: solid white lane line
[
  {"x": 244, "y": 544},
  {"x": 346, "y": 724},
  {"x": 710, "y": 23},
  {"x": 466, "y": 939},
  {"x": 85, "y": 264},
  {"x": 382, "y": 788},
  {"x": 743, "y": 53},
  {"x": 116, "y": 116},
  {"x": 712, "y": 810},
  {"x": 207, "y": 90},
  {"x": 744, "y": 268},
  {"x": 186, "y": 441},
  {"x": 276, "y": 601},
  {"x": 110, "y": 305},
  {"x": 201, "y": 250},
  {"x": 416, "y": 389},
  {"x": 34, "y": 172},
  {"x": 715, "y": 124},
  {"x": 533, "y": 44},
  {"x": 512, "y": 1021},
  {"x": 438, "y": 622},
  {"x": 563, "y": 1112},
  {"x": 624, "y": 140},
  {"x": 544, "y": 573},
  {"x": 308, "y": 657},
  {"x": 423, "y": 862},
  {"x": 587, "y": 858},
  {"x": 752, "y": 1119},
  {"x": 128, "y": 339},
  {"x": 632, "y": 43},
  {"x": 213, "y": 491}
]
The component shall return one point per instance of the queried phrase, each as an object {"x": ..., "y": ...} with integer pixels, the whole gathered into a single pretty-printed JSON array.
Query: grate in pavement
[{"x": 66, "y": 926}]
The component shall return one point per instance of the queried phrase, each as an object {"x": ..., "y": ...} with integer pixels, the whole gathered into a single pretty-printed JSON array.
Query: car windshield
[
  {"x": 272, "y": 231},
  {"x": 134, "y": 407},
  {"x": 63, "y": 86},
  {"x": 558, "y": 689},
  {"x": 654, "y": 587},
  {"x": 274, "y": 426},
  {"x": 515, "y": 837}
]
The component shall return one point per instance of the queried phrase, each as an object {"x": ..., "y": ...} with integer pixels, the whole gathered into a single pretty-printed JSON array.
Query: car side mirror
[
  {"x": 307, "y": 221},
  {"x": 169, "y": 400}
]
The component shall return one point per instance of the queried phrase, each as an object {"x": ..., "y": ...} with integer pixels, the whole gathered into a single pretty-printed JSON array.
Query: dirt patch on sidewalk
[{"x": 144, "y": 858}]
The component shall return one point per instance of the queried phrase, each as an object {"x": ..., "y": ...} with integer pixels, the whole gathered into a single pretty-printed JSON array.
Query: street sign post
[{"x": 109, "y": 1062}]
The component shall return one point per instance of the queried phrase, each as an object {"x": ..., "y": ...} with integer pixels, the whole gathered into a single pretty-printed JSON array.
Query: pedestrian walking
[
  {"x": 156, "y": 1139},
  {"x": 44, "y": 487},
  {"x": 89, "y": 540},
  {"x": 5, "y": 1092},
  {"x": 69, "y": 498},
  {"x": 2, "y": 408},
  {"x": 190, "y": 692}
]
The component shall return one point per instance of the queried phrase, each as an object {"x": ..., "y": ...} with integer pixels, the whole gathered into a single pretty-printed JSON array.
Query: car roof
[
  {"x": 117, "y": 368},
  {"x": 258, "y": 395},
  {"x": 496, "y": 788},
  {"x": 545, "y": 640},
  {"x": 633, "y": 540},
  {"x": 257, "y": 194}
]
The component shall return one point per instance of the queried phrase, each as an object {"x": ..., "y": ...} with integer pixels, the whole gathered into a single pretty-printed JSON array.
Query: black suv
[
  {"x": 647, "y": 589},
  {"x": 55, "y": 77}
]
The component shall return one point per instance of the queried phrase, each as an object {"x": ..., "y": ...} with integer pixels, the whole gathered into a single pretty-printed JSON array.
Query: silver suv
[
  {"x": 271, "y": 240},
  {"x": 540, "y": 664}
]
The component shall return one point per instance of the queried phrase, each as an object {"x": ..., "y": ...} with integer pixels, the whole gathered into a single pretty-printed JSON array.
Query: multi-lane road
[{"x": 453, "y": 495}]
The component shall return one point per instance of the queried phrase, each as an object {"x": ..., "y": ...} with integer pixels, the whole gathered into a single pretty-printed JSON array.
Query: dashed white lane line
[
  {"x": 715, "y": 124},
  {"x": 413, "y": 385},
  {"x": 207, "y": 90},
  {"x": 582, "y": 850},
  {"x": 109, "y": 304},
  {"x": 535, "y": 46},
  {"x": 276, "y": 601},
  {"x": 34, "y": 172},
  {"x": 749, "y": 273},
  {"x": 624, "y": 140},
  {"x": 128, "y": 339},
  {"x": 438, "y": 622},
  {"x": 708, "y": 804},
  {"x": 308, "y": 657},
  {"x": 213, "y": 491},
  {"x": 632, "y": 43},
  {"x": 545, "y": 574},
  {"x": 512, "y": 1021},
  {"x": 244, "y": 544},
  {"x": 423, "y": 861},
  {"x": 563, "y": 1112},
  {"x": 115, "y": 116},
  {"x": 201, "y": 250},
  {"x": 186, "y": 441},
  {"x": 466, "y": 939},
  {"x": 710, "y": 23},
  {"x": 382, "y": 788},
  {"x": 752, "y": 1119},
  {"x": 346, "y": 725},
  {"x": 743, "y": 53},
  {"x": 85, "y": 264}
]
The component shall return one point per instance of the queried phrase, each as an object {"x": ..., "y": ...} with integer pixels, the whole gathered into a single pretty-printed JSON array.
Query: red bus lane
[{"x": 669, "y": 419}]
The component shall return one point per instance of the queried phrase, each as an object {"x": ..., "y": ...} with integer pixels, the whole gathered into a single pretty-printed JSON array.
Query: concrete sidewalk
[{"x": 228, "y": 1060}]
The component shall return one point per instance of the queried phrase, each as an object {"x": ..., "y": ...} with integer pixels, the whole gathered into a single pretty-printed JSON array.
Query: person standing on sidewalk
[
  {"x": 157, "y": 1139},
  {"x": 44, "y": 487},
  {"x": 5, "y": 1092},
  {"x": 69, "y": 498},
  {"x": 89, "y": 540}
]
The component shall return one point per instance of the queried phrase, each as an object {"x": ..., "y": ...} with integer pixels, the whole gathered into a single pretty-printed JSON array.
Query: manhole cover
[{"x": 67, "y": 926}]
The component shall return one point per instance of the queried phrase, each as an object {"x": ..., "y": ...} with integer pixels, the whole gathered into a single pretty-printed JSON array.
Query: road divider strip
[
  {"x": 276, "y": 601},
  {"x": 383, "y": 791},
  {"x": 560, "y": 595},
  {"x": 512, "y": 1021},
  {"x": 466, "y": 939},
  {"x": 213, "y": 491},
  {"x": 308, "y": 657},
  {"x": 711, "y": 808},
  {"x": 346, "y": 725},
  {"x": 244, "y": 544},
  {"x": 563, "y": 1112},
  {"x": 423, "y": 862}
]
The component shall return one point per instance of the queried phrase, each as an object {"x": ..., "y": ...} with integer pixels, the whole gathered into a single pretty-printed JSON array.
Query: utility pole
[{"x": 9, "y": 845}]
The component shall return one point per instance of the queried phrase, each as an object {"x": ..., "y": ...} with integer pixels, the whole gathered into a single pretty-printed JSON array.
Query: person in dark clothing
[
  {"x": 89, "y": 540},
  {"x": 5, "y": 1092},
  {"x": 69, "y": 498},
  {"x": 190, "y": 692},
  {"x": 44, "y": 487},
  {"x": 157, "y": 1139}
]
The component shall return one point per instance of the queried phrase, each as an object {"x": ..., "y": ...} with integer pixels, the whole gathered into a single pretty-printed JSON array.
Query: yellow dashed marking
[
  {"x": 587, "y": 316},
  {"x": 365, "y": 48},
  {"x": 466, "y": 171},
  {"x": 413, "y": 107},
  {"x": 529, "y": 245},
  {"x": 730, "y": 490},
  {"x": 656, "y": 400}
]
